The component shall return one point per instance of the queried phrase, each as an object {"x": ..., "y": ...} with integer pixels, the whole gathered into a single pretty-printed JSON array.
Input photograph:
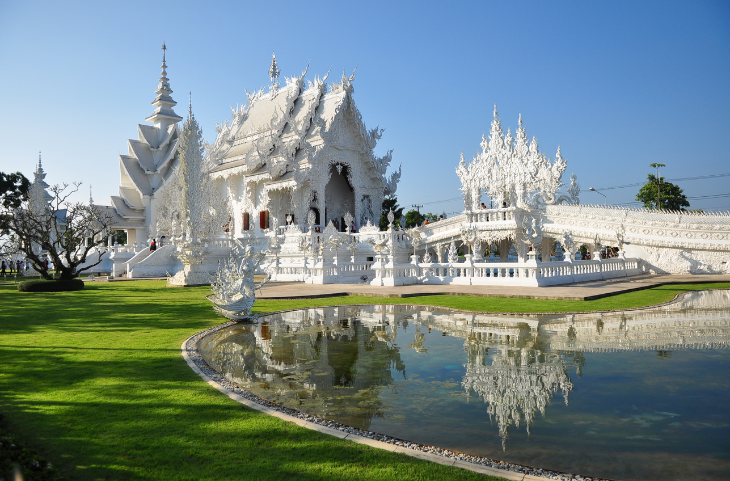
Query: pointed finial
[
  {"x": 163, "y": 52},
  {"x": 190, "y": 103},
  {"x": 495, "y": 111},
  {"x": 91, "y": 199},
  {"x": 39, "y": 159},
  {"x": 520, "y": 120},
  {"x": 273, "y": 69}
]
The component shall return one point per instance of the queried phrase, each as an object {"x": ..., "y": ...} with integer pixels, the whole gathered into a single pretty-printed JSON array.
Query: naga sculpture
[{"x": 234, "y": 289}]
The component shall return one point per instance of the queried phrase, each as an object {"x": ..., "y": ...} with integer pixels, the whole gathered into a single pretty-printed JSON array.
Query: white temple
[
  {"x": 297, "y": 149},
  {"x": 296, "y": 167}
]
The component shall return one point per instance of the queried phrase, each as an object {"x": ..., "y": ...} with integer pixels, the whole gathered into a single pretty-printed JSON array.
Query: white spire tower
[
  {"x": 274, "y": 72},
  {"x": 163, "y": 116},
  {"x": 38, "y": 197}
]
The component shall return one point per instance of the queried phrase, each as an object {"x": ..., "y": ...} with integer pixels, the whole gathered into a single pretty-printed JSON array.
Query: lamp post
[
  {"x": 605, "y": 199},
  {"x": 658, "y": 184}
]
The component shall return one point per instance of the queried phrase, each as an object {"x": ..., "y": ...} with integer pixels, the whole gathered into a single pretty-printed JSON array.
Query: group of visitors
[
  {"x": 17, "y": 267},
  {"x": 154, "y": 245}
]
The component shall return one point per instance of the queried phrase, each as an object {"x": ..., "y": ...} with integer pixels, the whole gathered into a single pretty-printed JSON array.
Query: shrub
[{"x": 42, "y": 285}]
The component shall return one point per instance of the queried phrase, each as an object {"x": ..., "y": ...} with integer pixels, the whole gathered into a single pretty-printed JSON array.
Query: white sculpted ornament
[
  {"x": 453, "y": 253},
  {"x": 348, "y": 221},
  {"x": 533, "y": 231},
  {"x": 569, "y": 244},
  {"x": 416, "y": 239},
  {"x": 190, "y": 203},
  {"x": 469, "y": 235},
  {"x": 512, "y": 170},
  {"x": 234, "y": 290}
]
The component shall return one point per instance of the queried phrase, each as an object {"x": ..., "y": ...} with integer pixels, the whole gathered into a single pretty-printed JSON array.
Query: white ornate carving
[
  {"x": 453, "y": 253},
  {"x": 282, "y": 136},
  {"x": 234, "y": 290},
  {"x": 512, "y": 170},
  {"x": 191, "y": 203}
]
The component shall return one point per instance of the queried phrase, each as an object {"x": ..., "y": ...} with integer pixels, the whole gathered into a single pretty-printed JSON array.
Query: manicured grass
[
  {"x": 643, "y": 298},
  {"x": 94, "y": 381}
]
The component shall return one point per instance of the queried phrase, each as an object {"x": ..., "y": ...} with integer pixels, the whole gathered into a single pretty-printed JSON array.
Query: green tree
[
  {"x": 430, "y": 217},
  {"x": 388, "y": 204},
  {"x": 13, "y": 189},
  {"x": 672, "y": 197},
  {"x": 413, "y": 218}
]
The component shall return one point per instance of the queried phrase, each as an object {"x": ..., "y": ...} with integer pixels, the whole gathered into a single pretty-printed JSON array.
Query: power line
[
  {"x": 713, "y": 196},
  {"x": 698, "y": 177},
  {"x": 698, "y": 197},
  {"x": 441, "y": 201}
]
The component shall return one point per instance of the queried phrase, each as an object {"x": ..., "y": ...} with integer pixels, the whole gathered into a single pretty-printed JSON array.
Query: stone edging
[{"x": 478, "y": 464}]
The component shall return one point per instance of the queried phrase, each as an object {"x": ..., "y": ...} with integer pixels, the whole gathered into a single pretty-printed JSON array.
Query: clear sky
[{"x": 618, "y": 85}]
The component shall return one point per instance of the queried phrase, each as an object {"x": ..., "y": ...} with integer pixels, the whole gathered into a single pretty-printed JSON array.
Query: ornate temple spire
[
  {"x": 163, "y": 116},
  {"x": 274, "y": 70},
  {"x": 91, "y": 198},
  {"x": 38, "y": 197}
]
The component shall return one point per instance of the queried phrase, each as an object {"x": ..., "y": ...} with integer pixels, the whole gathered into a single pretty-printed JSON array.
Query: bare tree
[{"x": 68, "y": 234}]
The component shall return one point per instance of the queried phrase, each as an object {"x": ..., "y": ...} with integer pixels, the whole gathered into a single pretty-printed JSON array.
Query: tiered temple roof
[
  {"x": 150, "y": 159},
  {"x": 278, "y": 134}
]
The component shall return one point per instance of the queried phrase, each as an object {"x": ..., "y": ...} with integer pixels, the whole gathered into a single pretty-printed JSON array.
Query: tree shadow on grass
[
  {"x": 96, "y": 382},
  {"x": 142, "y": 422}
]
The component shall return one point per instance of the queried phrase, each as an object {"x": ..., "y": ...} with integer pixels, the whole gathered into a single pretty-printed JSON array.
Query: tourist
[
  {"x": 426, "y": 222},
  {"x": 153, "y": 246},
  {"x": 441, "y": 217},
  {"x": 162, "y": 239},
  {"x": 3, "y": 269},
  {"x": 316, "y": 230},
  {"x": 483, "y": 206},
  {"x": 352, "y": 228}
]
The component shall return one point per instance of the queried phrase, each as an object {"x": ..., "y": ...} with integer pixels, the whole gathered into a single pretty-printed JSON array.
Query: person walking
[{"x": 153, "y": 246}]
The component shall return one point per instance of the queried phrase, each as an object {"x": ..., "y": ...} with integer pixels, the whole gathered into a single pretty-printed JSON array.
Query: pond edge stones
[{"x": 479, "y": 464}]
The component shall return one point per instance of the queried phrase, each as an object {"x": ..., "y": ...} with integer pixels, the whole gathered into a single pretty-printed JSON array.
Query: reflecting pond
[{"x": 626, "y": 395}]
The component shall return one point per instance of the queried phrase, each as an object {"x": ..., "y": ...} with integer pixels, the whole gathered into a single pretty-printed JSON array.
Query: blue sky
[{"x": 618, "y": 85}]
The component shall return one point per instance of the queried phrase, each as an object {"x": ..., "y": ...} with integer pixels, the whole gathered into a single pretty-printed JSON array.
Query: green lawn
[{"x": 94, "y": 381}]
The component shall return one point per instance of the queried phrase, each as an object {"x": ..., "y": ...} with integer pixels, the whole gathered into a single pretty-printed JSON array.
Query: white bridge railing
[{"x": 382, "y": 272}]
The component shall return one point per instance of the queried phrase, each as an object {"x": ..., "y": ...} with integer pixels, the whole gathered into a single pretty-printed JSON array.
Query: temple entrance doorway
[{"x": 339, "y": 196}]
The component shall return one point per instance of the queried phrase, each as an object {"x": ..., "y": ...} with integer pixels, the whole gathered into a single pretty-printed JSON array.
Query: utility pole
[
  {"x": 658, "y": 184},
  {"x": 418, "y": 209}
]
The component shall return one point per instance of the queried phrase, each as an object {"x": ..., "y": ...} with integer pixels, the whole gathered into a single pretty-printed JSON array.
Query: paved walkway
[{"x": 579, "y": 291}]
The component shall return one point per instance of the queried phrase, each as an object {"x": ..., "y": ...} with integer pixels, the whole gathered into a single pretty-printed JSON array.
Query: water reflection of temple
[
  {"x": 341, "y": 359},
  {"x": 314, "y": 360}
]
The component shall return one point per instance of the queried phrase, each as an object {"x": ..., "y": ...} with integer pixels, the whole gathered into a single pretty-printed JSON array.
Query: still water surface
[{"x": 628, "y": 395}]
